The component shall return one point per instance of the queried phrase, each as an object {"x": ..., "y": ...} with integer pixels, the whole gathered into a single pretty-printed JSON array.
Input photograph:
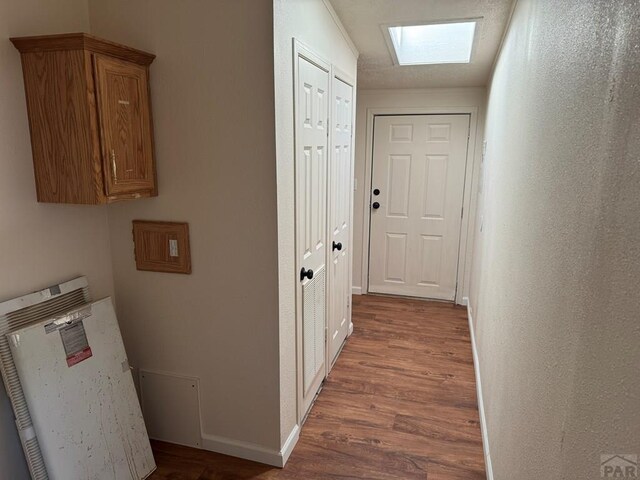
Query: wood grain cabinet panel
[
  {"x": 89, "y": 113},
  {"x": 162, "y": 246},
  {"x": 125, "y": 125}
]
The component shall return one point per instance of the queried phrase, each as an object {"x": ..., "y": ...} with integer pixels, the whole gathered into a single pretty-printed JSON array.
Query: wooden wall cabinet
[{"x": 89, "y": 113}]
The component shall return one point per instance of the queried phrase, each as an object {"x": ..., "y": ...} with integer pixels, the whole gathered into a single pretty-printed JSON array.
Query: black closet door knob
[
  {"x": 336, "y": 246},
  {"x": 306, "y": 274},
  {"x": 376, "y": 191},
  {"x": 375, "y": 205}
]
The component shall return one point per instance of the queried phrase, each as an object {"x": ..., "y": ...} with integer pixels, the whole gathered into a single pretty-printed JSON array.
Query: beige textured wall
[
  {"x": 555, "y": 288},
  {"x": 212, "y": 93},
  {"x": 41, "y": 244},
  {"x": 310, "y": 22},
  {"x": 429, "y": 98}
]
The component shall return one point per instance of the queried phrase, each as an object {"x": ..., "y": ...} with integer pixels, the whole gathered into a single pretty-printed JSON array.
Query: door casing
[
  {"x": 306, "y": 395},
  {"x": 465, "y": 234},
  {"x": 337, "y": 73},
  {"x": 301, "y": 50}
]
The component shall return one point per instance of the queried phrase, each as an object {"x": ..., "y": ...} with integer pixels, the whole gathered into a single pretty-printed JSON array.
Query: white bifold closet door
[
  {"x": 312, "y": 113},
  {"x": 339, "y": 247}
]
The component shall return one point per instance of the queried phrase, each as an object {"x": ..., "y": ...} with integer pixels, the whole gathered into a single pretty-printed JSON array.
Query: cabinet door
[{"x": 125, "y": 126}]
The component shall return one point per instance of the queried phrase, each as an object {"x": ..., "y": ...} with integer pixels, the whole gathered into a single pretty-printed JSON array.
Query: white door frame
[
  {"x": 353, "y": 82},
  {"x": 466, "y": 202},
  {"x": 341, "y": 75},
  {"x": 301, "y": 50}
]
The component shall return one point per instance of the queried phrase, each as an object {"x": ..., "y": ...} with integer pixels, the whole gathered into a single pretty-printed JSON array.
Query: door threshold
[{"x": 408, "y": 297}]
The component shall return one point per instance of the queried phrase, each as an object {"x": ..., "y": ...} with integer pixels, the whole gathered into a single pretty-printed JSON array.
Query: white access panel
[
  {"x": 164, "y": 394},
  {"x": 82, "y": 399}
]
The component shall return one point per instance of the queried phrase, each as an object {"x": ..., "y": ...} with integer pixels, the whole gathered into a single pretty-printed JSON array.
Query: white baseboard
[
  {"x": 289, "y": 445},
  {"x": 350, "y": 329},
  {"x": 356, "y": 290},
  {"x": 251, "y": 451},
  {"x": 483, "y": 418}
]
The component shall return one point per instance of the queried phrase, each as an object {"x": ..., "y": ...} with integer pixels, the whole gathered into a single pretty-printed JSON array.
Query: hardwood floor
[{"x": 400, "y": 403}]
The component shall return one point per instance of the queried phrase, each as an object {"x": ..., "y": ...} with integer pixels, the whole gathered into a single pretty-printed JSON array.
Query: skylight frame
[{"x": 391, "y": 45}]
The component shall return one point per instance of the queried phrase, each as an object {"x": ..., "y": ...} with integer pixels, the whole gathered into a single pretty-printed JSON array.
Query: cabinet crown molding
[{"x": 81, "y": 41}]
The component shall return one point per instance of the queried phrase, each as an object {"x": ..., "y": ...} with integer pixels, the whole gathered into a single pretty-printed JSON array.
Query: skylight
[{"x": 433, "y": 43}]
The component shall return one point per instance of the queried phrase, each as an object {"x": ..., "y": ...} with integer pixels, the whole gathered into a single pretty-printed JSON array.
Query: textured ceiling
[{"x": 363, "y": 18}]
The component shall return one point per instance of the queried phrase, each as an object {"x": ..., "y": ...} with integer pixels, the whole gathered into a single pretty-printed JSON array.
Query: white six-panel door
[
  {"x": 312, "y": 113},
  {"x": 339, "y": 215},
  {"x": 416, "y": 204}
]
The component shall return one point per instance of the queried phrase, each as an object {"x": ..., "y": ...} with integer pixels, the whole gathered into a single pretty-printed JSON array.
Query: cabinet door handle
[{"x": 114, "y": 167}]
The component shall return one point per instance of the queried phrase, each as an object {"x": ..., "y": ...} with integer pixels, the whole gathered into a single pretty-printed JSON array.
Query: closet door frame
[
  {"x": 301, "y": 50},
  {"x": 338, "y": 74}
]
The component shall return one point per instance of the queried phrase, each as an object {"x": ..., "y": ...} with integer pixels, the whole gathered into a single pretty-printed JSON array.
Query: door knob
[
  {"x": 306, "y": 274},
  {"x": 376, "y": 191},
  {"x": 336, "y": 246},
  {"x": 375, "y": 205}
]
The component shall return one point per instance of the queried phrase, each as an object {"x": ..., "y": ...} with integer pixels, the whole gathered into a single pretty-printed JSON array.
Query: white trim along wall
[
  {"x": 412, "y": 102},
  {"x": 480, "y": 396}
]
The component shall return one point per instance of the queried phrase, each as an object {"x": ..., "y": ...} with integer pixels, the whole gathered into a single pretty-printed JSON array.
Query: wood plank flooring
[{"x": 400, "y": 403}]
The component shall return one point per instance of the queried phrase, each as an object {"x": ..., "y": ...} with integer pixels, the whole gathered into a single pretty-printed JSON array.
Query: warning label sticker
[{"x": 76, "y": 345}]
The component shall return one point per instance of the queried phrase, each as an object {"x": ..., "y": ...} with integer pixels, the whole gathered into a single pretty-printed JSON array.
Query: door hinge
[{"x": 462, "y": 212}]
